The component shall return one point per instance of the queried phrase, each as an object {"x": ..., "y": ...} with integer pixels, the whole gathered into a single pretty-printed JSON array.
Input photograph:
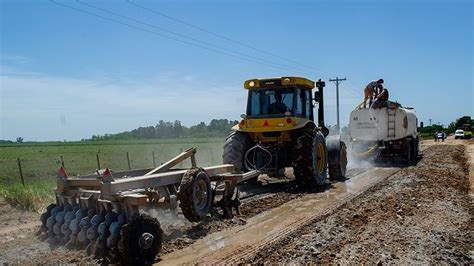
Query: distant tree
[
  {"x": 178, "y": 129},
  {"x": 19, "y": 140},
  {"x": 166, "y": 130},
  {"x": 451, "y": 128}
]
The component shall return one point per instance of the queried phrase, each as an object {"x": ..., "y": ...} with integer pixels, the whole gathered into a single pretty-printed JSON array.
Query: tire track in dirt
[{"x": 238, "y": 243}]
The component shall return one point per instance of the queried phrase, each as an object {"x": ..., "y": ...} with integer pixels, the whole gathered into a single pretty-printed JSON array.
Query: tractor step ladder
[{"x": 391, "y": 122}]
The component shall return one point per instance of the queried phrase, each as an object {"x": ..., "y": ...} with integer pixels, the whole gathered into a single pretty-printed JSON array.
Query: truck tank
[{"x": 388, "y": 132}]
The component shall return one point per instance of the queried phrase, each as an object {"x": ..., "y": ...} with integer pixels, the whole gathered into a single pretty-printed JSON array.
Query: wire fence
[{"x": 33, "y": 166}]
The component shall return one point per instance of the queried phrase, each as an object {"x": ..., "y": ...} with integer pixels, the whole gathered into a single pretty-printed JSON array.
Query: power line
[
  {"x": 220, "y": 36},
  {"x": 248, "y": 58},
  {"x": 189, "y": 38},
  {"x": 162, "y": 35}
]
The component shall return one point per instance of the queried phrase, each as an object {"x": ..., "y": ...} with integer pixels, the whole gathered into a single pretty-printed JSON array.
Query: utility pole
[{"x": 337, "y": 81}]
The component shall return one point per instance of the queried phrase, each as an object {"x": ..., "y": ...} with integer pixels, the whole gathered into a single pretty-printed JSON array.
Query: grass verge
[{"x": 33, "y": 196}]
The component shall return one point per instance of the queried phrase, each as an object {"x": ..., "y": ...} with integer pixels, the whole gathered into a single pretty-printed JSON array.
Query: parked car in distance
[{"x": 459, "y": 134}]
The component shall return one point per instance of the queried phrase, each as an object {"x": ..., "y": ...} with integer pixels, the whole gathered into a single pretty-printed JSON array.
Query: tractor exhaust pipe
[{"x": 319, "y": 96}]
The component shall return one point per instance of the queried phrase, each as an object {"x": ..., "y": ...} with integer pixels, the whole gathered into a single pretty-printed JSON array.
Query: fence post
[
  {"x": 212, "y": 156},
  {"x": 21, "y": 172},
  {"x": 154, "y": 161},
  {"x": 98, "y": 161},
  {"x": 128, "y": 161},
  {"x": 62, "y": 161}
]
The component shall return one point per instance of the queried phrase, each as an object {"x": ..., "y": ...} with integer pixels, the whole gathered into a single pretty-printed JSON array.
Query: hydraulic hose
[{"x": 366, "y": 153}]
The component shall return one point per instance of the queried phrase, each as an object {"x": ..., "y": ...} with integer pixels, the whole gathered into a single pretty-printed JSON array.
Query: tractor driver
[{"x": 277, "y": 107}]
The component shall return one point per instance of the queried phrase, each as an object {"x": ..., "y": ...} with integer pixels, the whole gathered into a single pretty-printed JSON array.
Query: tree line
[
  {"x": 453, "y": 126},
  {"x": 168, "y": 130}
]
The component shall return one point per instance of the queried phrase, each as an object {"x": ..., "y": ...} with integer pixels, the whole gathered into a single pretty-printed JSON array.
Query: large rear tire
[
  {"x": 235, "y": 147},
  {"x": 310, "y": 157},
  {"x": 337, "y": 158},
  {"x": 195, "y": 194}
]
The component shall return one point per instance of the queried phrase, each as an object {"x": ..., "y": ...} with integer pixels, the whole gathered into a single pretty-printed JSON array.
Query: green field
[{"x": 41, "y": 161}]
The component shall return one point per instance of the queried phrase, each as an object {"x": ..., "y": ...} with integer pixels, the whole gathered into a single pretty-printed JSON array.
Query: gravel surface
[{"x": 422, "y": 214}]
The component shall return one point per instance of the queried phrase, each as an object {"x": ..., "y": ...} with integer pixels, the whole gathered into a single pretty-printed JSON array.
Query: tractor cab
[
  {"x": 277, "y": 106},
  {"x": 285, "y": 101},
  {"x": 279, "y": 97}
]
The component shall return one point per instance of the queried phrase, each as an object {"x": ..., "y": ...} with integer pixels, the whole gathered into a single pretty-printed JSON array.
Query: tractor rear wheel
[
  {"x": 310, "y": 157},
  {"x": 337, "y": 158},
  {"x": 195, "y": 194},
  {"x": 236, "y": 144}
]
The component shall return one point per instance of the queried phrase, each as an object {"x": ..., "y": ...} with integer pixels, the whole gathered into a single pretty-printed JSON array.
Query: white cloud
[{"x": 37, "y": 106}]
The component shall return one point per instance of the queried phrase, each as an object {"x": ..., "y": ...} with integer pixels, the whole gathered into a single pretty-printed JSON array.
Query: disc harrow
[{"x": 104, "y": 213}]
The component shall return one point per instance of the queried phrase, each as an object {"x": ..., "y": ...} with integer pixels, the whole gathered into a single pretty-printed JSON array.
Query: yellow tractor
[{"x": 278, "y": 131}]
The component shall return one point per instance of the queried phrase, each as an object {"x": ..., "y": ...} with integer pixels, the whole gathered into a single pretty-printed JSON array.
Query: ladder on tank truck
[{"x": 391, "y": 122}]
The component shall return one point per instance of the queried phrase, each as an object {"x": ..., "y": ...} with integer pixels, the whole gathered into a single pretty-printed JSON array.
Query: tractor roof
[{"x": 278, "y": 82}]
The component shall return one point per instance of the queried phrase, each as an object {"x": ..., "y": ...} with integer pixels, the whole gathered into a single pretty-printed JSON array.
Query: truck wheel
[
  {"x": 236, "y": 144},
  {"x": 310, "y": 157},
  {"x": 195, "y": 194},
  {"x": 416, "y": 149},
  {"x": 409, "y": 150},
  {"x": 140, "y": 240},
  {"x": 337, "y": 157}
]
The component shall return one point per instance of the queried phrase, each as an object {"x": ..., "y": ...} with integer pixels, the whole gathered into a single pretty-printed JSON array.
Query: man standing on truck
[{"x": 371, "y": 89}]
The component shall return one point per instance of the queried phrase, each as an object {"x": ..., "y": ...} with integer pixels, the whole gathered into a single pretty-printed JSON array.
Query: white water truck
[{"x": 388, "y": 133}]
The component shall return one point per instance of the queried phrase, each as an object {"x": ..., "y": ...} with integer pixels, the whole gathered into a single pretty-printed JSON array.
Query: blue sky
[{"x": 65, "y": 74}]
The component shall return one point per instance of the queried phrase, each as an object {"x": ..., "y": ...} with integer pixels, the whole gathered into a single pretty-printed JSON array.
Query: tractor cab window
[
  {"x": 303, "y": 103},
  {"x": 271, "y": 102}
]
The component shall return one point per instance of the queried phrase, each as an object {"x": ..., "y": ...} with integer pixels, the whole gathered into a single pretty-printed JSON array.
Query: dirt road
[
  {"x": 417, "y": 214},
  {"x": 422, "y": 214}
]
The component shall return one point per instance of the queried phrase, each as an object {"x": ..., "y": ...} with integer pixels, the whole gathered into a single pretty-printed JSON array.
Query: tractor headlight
[
  {"x": 252, "y": 83},
  {"x": 286, "y": 81}
]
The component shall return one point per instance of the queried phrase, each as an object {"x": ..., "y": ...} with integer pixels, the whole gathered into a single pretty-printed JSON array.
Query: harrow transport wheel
[
  {"x": 310, "y": 157},
  {"x": 236, "y": 144},
  {"x": 195, "y": 194},
  {"x": 140, "y": 240},
  {"x": 337, "y": 158}
]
